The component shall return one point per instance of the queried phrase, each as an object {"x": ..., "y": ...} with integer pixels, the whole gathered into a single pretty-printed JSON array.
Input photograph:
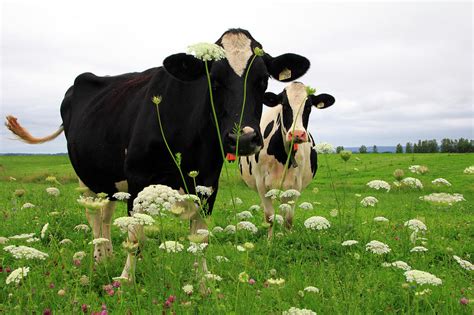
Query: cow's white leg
[
  {"x": 135, "y": 240},
  {"x": 107, "y": 214},
  {"x": 267, "y": 208},
  {"x": 198, "y": 223},
  {"x": 288, "y": 215}
]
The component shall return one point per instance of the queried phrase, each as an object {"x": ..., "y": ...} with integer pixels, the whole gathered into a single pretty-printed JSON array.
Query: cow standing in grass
[
  {"x": 285, "y": 138},
  {"x": 113, "y": 137}
]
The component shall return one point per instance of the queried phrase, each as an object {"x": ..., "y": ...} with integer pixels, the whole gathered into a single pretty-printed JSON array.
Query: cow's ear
[
  {"x": 322, "y": 100},
  {"x": 271, "y": 99},
  {"x": 184, "y": 67},
  {"x": 286, "y": 67}
]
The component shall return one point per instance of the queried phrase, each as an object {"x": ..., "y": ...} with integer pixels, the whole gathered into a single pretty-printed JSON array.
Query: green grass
[{"x": 350, "y": 280}]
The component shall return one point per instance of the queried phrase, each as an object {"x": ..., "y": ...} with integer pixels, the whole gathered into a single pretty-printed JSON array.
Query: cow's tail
[{"x": 24, "y": 135}]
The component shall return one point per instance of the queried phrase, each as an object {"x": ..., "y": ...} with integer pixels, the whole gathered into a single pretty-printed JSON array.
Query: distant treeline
[{"x": 460, "y": 145}]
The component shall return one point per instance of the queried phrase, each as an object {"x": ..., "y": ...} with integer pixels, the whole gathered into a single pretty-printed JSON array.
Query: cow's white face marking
[
  {"x": 247, "y": 129},
  {"x": 237, "y": 50},
  {"x": 296, "y": 93}
]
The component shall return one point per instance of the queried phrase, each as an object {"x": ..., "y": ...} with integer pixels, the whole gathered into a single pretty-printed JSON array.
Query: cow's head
[
  {"x": 227, "y": 80},
  {"x": 296, "y": 108}
]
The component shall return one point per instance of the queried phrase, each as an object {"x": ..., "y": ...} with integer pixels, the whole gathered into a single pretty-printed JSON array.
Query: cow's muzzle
[
  {"x": 250, "y": 142},
  {"x": 297, "y": 136}
]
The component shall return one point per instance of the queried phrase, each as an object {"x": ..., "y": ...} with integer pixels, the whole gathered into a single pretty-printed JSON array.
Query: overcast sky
[{"x": 399, "y": 71}]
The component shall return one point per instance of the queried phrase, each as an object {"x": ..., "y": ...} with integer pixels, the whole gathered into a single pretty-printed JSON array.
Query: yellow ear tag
[
  {"x": 284, "y": 74},
  {"x": 320, "y": 105}
]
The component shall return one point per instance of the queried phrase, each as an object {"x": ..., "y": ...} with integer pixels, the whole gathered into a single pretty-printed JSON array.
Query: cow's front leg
[
  {"x": 289, "y": 212},
  {"x": 107, "y": 214},
  {"x": 135, "y": 239}
]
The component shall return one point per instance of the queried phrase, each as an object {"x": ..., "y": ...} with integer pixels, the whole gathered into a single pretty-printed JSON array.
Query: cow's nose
[
  {"x": 298, "y": 136},
  {"x": 249, "y": 142}
]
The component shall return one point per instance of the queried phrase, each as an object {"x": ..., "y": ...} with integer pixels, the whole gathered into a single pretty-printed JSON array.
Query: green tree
[
  {"x": 339, "y": 149},
  {"x": 374, "y": 149},
  {"x": 399, "y": 148},
  {"x": 408, "y": 148},
  {"x": 363, "y": 149}
]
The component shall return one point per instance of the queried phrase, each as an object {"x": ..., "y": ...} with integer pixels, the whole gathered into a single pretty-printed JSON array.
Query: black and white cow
[
  {"x": 113, "y": 137},
  {"x": 286, "y": 121}
]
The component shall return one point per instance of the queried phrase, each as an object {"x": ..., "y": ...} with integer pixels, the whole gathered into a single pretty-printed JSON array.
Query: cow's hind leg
[{"x": 107, "y": 214}]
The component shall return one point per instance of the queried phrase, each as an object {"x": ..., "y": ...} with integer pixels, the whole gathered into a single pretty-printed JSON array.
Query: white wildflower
[
  {"x": 53, "y": 191},
  {"x": 377, "y": 247},
  {"x": 464, "y": 263},
  {"x": 254, "y": 208},
  {"x": 401, "y": 265},
  {"x": 22, "y": 236},
  {"x": 324, "y": 148},
  {"x": 440, "y": 182},
  {"x": 27, "y": 206},
  {"x": 188, "y": 289},
  {"x": 214, "y": 277},
  {"x": 237, "y": 201},
  {"x": 278, "y": 219},
  {"x": 99, "y": 240},
  {"x": 317, "y": 223},
  {"x": 285, "y": 208},
  {"x": 25, "y": 252},
  {"x": 240, "y": 248},
  {"x": 379, "y": 184},
  {"x": 423, "y": 292},
  {"x": 79, "y": 255},
  {"x": 230, "y": 229},
  {"x": 171, "y": 246},
  {"x": 306, "y": 206},
  {"x": 412, "y": 182},
  {"x": 277, "y": 281},
  {"x": 3, "y": 240},
  {"x": 121, "y": 195},
  {"x": 349, "y": 243},
  {"x": 32, "y": 240},
  {"x": 217, "y": 229},
  {"x": 273, "y": 194},
  {"x": 311, "y": 289},
  {"x": 247, "y": 226},
  {"x": 381, "y": 219},
  {"x": 143, "y": 219},
  {"x": 222, "y": 259},
  {"x": 443, "y": 198},
  {"x": 16, "y": 275},
  {"x": 92, "y": 203},
  {"x": 155, "y": 199},
  {"x": 333, "y": 213},
  {"x": 290, "y": 193},
  {"x": 369, "y": 201},
  {"x": 418, "y": 249},
  {"x": 415, "y": 225},
  {"x": 43, "y": 230},
  {"x": 244, "y": 215},
  {"x": 196, "y": 249},
  {"x": 65, "y": 241},
  {"x": 125, "y": 224},
  {"x": 422, "y": 277},
  {"x": 207, "y": 51},
  {"x": 298, "y": 311},
  {"x": 82, "y": 227},
  {"x": 469, "y": 170},
  {"x": 204, "y": 190},
  {"x": 204, "y": 232}
]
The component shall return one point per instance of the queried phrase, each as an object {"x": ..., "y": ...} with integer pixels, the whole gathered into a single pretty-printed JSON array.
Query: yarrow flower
[
  {"x": 212, "y": 276},
  {"x": 125, "y": 223},
  {"x": 306, "y": 206},
  {"x": 418, "y": 249},
  {"x": 99, "y": 240},
  {"x": 43, "y": 230},
  {"x": 285, "y": 208},
  {"x": 273, "y": 194},
  {"x": 171, "y": 246},
  {"x": 349, "y": 243},
  {"x": 422, "y": 277},
  {"x": 230, "y": 229},
  {"x": 412, "y": 183},
  {"x": 443, "y": 198},
  {"x": 278, "y": 281},
  {"x": 440, "y": 182},
  {"x": 217, "y": 229},
  {"x": 254, "y": 208},
  {"x": 290, "y": 193},
  {"x": 65, "y": 241},
  {"x": 377, "y": 247},
  {"x": 33, "y": 240},
  {"x": 155, "y": 199},
  {"x": 22, "y": 236},
  {"x": 379, "y": 184},
  {"x": 464, "y": 263},
  {"x": 311, "y": 289},
  {"x": 247, "y": 226},
  {"x": 196, "y": 249},
  {"x": 79, "y": 255},
  {"x": 222, "y": 259},
  {"x": 27, "y": 206},
  {"x": 381, "y": 219},
  {"x": 324, "y": 148},
  {"x": 415, "y": 225},
  {"x": 278, "y": 218},
  {"x": 244, "y": 215},
  {"x": 82, "y": 227},
  {"x": 298, "y": 311},
  {"x": 121, "y": 195},
  {"x": 207, "y": 51},
  {"x": 398, "y": 264},
  {"x": 317, "y": 223},
  {"x": 16, "y": 275},
  {"x": 369, "y": 201},
  {"x": 204, "y": 190},
  {"x": 469, "y": 170},
  {"x": 188, "y": 289},
  {"x": 25, "y": 252},
  {"x": 418, "y": 169},
  {"x": 53, "y": 191},
  {"x": 237, "y": 201}
]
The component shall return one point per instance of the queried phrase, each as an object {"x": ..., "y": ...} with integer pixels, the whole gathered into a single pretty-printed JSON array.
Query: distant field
[{"x": 350, "y": 279}]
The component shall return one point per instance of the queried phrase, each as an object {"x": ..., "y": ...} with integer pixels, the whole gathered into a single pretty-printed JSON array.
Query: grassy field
[{"x": 350, "y": 280}]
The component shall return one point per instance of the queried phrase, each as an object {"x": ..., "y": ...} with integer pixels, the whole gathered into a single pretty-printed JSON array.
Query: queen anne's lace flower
[
  {"x": 273, "y": 194},
  {"x": 324, "y": 148},
  {"x": 237, "y": 201},
  {"x": 27, "y": 206},
  {"x": 143, "y": 219},
  {"x": 155, "y": 199},
  {"x": 53, "y": 191},
  {"x": 278, "y": 281},
  {"x": 415, "y": 225},
  {"x": 92, "y": 203},
  {"x": 25, "y": 252},
  {"x": 290, "y": 193},
  {"x": 43, "y": 230},
  {"x": 278, "y": 219},
  {"x": 311, "y": 289},
  {"x": 82, "y": 227},
  {"x": 33, "y": 240},
  {"x": 22, "y": 236},
  {"x": 121, "y": 195},
  {"x": 230, "y": 229},
  {"x": 369, "y": 201},
  {"x": 379, "y": 184},
  {"x": 469, "y": 170},
  {"x": 418, "y": 249},
  {"x": 349, "y": 243},
  {"x": 204, "y": 190},
  {"x": 377, "y": 247},
  {"x": 195, "y": 248},
  {"x": 188, "y": 289},
  {"x": 285, "y": 208},
  {"x": 171, "y": 246},
  {"x": 125, "y": 223},
  {"x": 306, "y": 206},
  {"x": 398, "y": 264},
  {"x": 317, "y": 223},
  {"x": 3, "y": 240},
  {"x": 65, "y": 241},
  {"x": 206, "y": 51},
  {"x": 212, "y": 276},
  {"x": 418, "y": 169},
  {"x": 440, "y": 182},
  {"x": 79, "y": 255},
  {"x": 16, "y": 275},
  {"x": 248, "y": 226},
  {"x": 244, "y": 215},
  {"x": 217, "y": 229},
  {"x": 443, "y": 198},
  {"x": 254, "y": 208},
  {"x": 422, "y": 277},
  {"x": 99, "y": 240},
  {"x": 381, "y": 219},
  {"x": 298, "y": 311},
  {"x": 464, "y": 263},
  {"x": 222, "y": 259},
  {"x": 412, "y": 183}
]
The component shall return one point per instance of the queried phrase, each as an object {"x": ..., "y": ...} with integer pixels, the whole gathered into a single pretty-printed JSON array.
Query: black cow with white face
[
  {"x": 282, "y": 125},
  {"x": 113, "y": 137}
]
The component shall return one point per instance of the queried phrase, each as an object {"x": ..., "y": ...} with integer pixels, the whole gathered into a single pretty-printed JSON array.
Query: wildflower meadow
[{"x": 372, "y": 234}]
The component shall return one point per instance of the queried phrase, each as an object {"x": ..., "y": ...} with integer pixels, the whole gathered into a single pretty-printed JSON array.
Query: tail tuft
[{"x": 24, "y": 135}]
